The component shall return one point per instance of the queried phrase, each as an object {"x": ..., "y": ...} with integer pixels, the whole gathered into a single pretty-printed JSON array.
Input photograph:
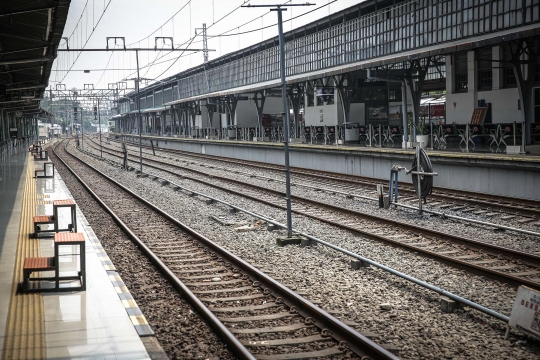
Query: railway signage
[{"x": 526, "y": 312}]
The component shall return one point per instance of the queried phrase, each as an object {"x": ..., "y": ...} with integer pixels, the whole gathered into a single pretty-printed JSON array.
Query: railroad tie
[
  {"x": 245, "y": 288},
  {"x": 504, "y": 267},
  {"x": 446, "y": 206},
  {"x": 233, "y": 298},
  {"x": 526, "y": 220},
  {"x": 244, "y": 308},
  {"x": 483, "y": 262},
  {"x": 276, "y": 316},
  {"x": 287, "y": 341},
  {"x": 527, "y": 273}
]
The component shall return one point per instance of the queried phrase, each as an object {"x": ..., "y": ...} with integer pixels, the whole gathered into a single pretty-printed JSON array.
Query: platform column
[
  {"x": 416, "y": 74},
  {"x": 232, "y": 101},
  {"x": 296, "y": 93},
  {"x": 259, "y": 105}
]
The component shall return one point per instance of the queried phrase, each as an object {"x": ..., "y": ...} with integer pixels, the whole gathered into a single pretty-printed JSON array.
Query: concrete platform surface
[{"x": 91, "y": 324}]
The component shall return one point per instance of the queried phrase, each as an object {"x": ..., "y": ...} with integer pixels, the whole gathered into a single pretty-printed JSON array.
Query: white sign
[
  {"x": 321, "y": 115},
  {"x": 526, "y": 312}
]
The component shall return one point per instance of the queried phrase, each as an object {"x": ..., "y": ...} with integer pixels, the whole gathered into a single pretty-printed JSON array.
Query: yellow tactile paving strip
[{"x": 25, "y": 329}]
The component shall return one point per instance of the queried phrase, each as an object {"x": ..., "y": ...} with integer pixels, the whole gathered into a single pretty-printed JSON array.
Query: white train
[{"x": 44, "y": 131}]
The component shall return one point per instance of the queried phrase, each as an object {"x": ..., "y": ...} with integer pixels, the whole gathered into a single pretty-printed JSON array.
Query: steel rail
[
  {"x": 492, "y": 249},
  {"x": 424, "y": 284},
  {"x": 339, "y": 331},
  {"x": 476, "y": 269},
  {"x": 494, "y": 202},
  {"x": 348, "y": 194},
  {"x": 236, "y": 347}
]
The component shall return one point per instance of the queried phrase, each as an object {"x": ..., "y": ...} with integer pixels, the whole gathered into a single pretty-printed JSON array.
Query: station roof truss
[
  {"x": 30, "y": 32},
  {"x": 374, "y": 34}
]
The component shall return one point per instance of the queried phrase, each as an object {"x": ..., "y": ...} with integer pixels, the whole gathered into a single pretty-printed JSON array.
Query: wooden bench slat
[
  {"x": 39, "y": 263},
  {"x": 63, "y": 202},
  {"x": 68, "y": 237},
  {"x": 44, "y": 219}
]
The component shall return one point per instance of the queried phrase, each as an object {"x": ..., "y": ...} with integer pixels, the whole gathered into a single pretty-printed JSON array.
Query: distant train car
[
  {"x": 43, "y": 131},
  {"x": 55, "y": 130}
]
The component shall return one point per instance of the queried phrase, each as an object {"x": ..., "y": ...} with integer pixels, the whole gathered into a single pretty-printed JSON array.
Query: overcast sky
[{"x": 136, "y": 20}]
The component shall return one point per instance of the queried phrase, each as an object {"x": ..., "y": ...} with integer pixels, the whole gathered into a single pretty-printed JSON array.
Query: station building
[{"x": 349, "y": 67}]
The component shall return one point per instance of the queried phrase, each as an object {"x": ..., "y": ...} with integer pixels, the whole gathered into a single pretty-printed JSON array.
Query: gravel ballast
[{"x": 414, "y": 323}]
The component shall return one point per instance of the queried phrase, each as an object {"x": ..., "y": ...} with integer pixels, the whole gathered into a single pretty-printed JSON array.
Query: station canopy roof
[{"x": 30, "y": 31}]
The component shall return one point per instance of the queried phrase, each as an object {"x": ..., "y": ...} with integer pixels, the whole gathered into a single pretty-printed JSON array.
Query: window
[
  {"x": 460, "y": 73},
  {"x": 485, "y": 71},
  {"x": 508, "y": 76},
  {"x": 318, "y": 96},
  {"x": 357, "y": 96},
  {"x": 310, "y": 100},
  {"x": 394, "y": 92},
  {"x": 325, "y": 96}
]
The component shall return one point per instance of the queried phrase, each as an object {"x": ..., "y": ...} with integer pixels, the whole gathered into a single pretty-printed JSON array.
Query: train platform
[
  {"x": 58, "y": 320},
  {"x": 532, "y": 157},
  {"x": 490, "y": 173}
]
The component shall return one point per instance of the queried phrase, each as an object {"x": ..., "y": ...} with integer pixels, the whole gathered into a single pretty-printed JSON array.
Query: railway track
[
  {"x": 256, "y": 315},
  {"x": 481, "y": 204},
  {"x": 503, "y": 264}
]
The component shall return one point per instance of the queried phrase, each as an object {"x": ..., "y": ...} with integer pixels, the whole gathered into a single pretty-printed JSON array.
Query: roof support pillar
[
  {"x": 295, "y": 94},
  {"x": 259, "y": 105}
]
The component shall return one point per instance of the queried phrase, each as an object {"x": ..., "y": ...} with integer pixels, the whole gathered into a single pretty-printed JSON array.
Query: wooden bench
[
  {"x": 68, "y": 203},
  {"x": 42, "y": 155},
  {"x": 36, "y": 264},
  {"x": 31, "y": 265},
  {"x": 35, "y": 149},
  {"x": 48, "y": 168},
  {"x": 43, "y": 220}
]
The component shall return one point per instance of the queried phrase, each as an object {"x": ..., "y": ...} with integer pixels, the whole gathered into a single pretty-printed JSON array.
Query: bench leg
[{"x": 26, "y": 281}]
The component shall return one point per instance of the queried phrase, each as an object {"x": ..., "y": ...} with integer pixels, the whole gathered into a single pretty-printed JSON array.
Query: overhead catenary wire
[
  {"x": 246, "y": 32},
  {"x": 161, "y": 27},
  {"x": 191, "y": 40},
  {"x": 87, "y": 39},
  {"x": 154, "y": 62}
]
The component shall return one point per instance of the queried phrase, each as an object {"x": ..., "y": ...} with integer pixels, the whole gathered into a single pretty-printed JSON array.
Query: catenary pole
[
  {"x": 279, "y": 8},
  {"x": 138, "y": 83},
  {"x": 99, "y": 124}
]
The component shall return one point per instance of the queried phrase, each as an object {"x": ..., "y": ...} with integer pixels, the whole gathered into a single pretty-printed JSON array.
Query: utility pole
[
  {"x": 205, "y": 41},
  {"x": 98, "y": 117},
  {"x": 286, "y": 112},
  {"x": 138, "y": 84}
]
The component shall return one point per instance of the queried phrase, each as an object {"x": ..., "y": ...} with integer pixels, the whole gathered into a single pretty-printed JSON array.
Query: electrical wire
[
  {"x": 220, "y": 19},
  {"x": 110, "y": 57},
  {"x": 191, "y": 40},
  {"x": 174, "y": 61},
  {"x": 165, "y": 23},
  {"x": 93, "y": 30},
  {"x": 269, "y": 26},
  {"x": 77, "y": 24}
]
